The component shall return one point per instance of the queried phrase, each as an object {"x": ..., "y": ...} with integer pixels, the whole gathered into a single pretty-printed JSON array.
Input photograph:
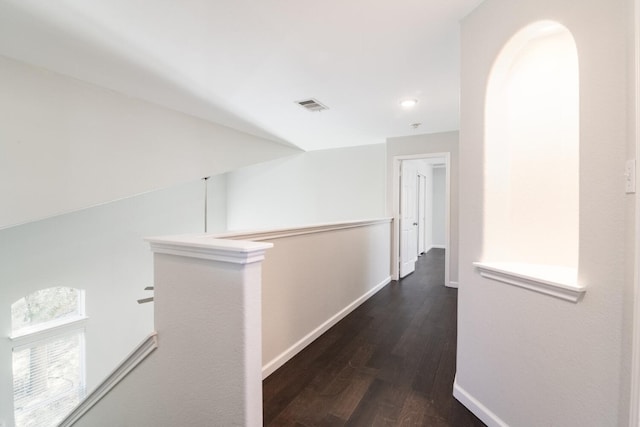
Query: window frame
[{"x": 52, "y": 330}]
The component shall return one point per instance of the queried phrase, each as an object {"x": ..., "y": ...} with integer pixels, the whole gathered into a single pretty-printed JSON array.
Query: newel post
[{"x": 208, "y": 318}]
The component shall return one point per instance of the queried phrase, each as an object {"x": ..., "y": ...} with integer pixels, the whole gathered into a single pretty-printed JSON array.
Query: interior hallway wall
[
  {"x": 631, "y": 219},
  {"x": 79, "y": 170},
  {"x": 439, "y": 201},
  {"x": 526, "y": 358},
  {"x": 310, "y": 188},
  {"x": 69, "y": 145},
  {"x": 101, "y": 250}
]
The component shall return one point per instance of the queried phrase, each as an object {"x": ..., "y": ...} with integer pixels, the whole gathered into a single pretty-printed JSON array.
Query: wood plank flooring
[{"x": 391, "y": 362}]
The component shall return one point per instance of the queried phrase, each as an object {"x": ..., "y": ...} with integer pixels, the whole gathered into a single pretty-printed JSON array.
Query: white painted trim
[
  {"x": 477, "y": 408},
  {"x": 447, "y": 220},
  {"x": 395, "y": 193},
  {"x": 524, "y": 276},
  {"x": 286, "y": 355},
  {"x": 634, "y": 406},
  {"x": 281, "y": 233},
  {"x": 452, "y": 284},
  {"x": 205, "y": 246},
  {"x": 52, "y": 329},
  {"x": 243, "y": 247},
  {"x": 129, "y": 364}
]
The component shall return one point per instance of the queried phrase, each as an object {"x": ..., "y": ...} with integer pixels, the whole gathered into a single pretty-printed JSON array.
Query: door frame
[
  {"x": 634, "y": 404},
  {"x": 422, "y": 214},
  {"x": 395, "y": 244}
]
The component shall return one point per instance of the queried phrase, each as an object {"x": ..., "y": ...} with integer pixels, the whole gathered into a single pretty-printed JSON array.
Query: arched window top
[{"x": 45, "y": 308}]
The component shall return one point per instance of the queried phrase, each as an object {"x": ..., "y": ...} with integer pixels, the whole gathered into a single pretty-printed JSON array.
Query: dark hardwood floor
[{"x": 391, "y": 362}]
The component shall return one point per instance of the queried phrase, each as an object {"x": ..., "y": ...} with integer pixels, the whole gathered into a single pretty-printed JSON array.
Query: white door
[
  {"x": 422, "y": 192},
  {"x": 408, "y": 218}
]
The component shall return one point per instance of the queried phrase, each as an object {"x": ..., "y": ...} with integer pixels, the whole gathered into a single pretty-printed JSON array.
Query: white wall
[
  {"x": 527, "y": 358},
  {"x": 206, "y": 370},
  {"x": 311, "y": 283},
  {"x": 100, "y": 250},
  {"x": 438, "y": 211},
  {"x": 216, "y": 203},
  {"x": 67, "y": 145},
  {"x": 309, "y": 188},
  {"x": 532, "y": 217},
  {"x": 630, "y": 319},
  {"x": 312, "y": 278},
  {"x": 446, "y": 142}
]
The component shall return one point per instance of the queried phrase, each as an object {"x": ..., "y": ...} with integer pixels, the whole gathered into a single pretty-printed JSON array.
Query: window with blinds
[{"x": 48, "y": 355}]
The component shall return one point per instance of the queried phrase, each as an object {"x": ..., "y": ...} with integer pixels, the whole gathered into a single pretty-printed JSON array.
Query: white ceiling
[{"x": 243, "y": 63}]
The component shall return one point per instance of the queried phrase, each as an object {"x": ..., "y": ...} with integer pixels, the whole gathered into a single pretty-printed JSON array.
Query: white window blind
[
  {"x": 48, "y": 356},
  {"x": 48, "y": 380}
]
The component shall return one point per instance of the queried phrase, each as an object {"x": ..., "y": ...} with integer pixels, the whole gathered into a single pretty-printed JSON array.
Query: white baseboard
[
  {"x": 281, "y": 359},
  {"x": 477, "y": 408},
  {"x": 452, "y": 284},
  {"x": 428, "y": 248}
]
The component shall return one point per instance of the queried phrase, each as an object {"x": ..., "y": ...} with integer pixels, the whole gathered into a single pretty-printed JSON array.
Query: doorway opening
[{"x": 421, "y": 199}]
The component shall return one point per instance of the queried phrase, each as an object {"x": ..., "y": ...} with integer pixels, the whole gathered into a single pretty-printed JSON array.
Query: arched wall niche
[{"x": 531, "y": 196}]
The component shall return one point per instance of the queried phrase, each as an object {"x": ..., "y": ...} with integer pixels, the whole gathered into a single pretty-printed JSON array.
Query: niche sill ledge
[{"x": 558, "y": 282}]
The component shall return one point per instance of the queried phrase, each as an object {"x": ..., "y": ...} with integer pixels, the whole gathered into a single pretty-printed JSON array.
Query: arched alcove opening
[{"x": 531, "y": 194}]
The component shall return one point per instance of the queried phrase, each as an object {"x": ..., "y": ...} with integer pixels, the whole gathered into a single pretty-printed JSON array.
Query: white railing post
[{"x": 208, "y": 320}]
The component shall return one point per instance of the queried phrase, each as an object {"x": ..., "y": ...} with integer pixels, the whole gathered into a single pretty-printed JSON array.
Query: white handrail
[
  {"x": 279, "y": 233},
  {"x": 134, "y": 359}
]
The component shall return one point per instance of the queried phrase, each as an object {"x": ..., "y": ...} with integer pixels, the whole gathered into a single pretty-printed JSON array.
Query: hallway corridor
[{"x": 391, "y": 362}]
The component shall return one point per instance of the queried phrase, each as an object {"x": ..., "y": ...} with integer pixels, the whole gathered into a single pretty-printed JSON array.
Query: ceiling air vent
[{"x": 312, "y": 105}]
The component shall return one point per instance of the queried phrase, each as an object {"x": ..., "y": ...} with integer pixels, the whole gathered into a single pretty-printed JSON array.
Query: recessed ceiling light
[{"x": 408, "y": 103}]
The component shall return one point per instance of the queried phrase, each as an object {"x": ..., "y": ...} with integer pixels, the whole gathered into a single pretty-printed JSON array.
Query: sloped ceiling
[{"x": 244, "y": 63}]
